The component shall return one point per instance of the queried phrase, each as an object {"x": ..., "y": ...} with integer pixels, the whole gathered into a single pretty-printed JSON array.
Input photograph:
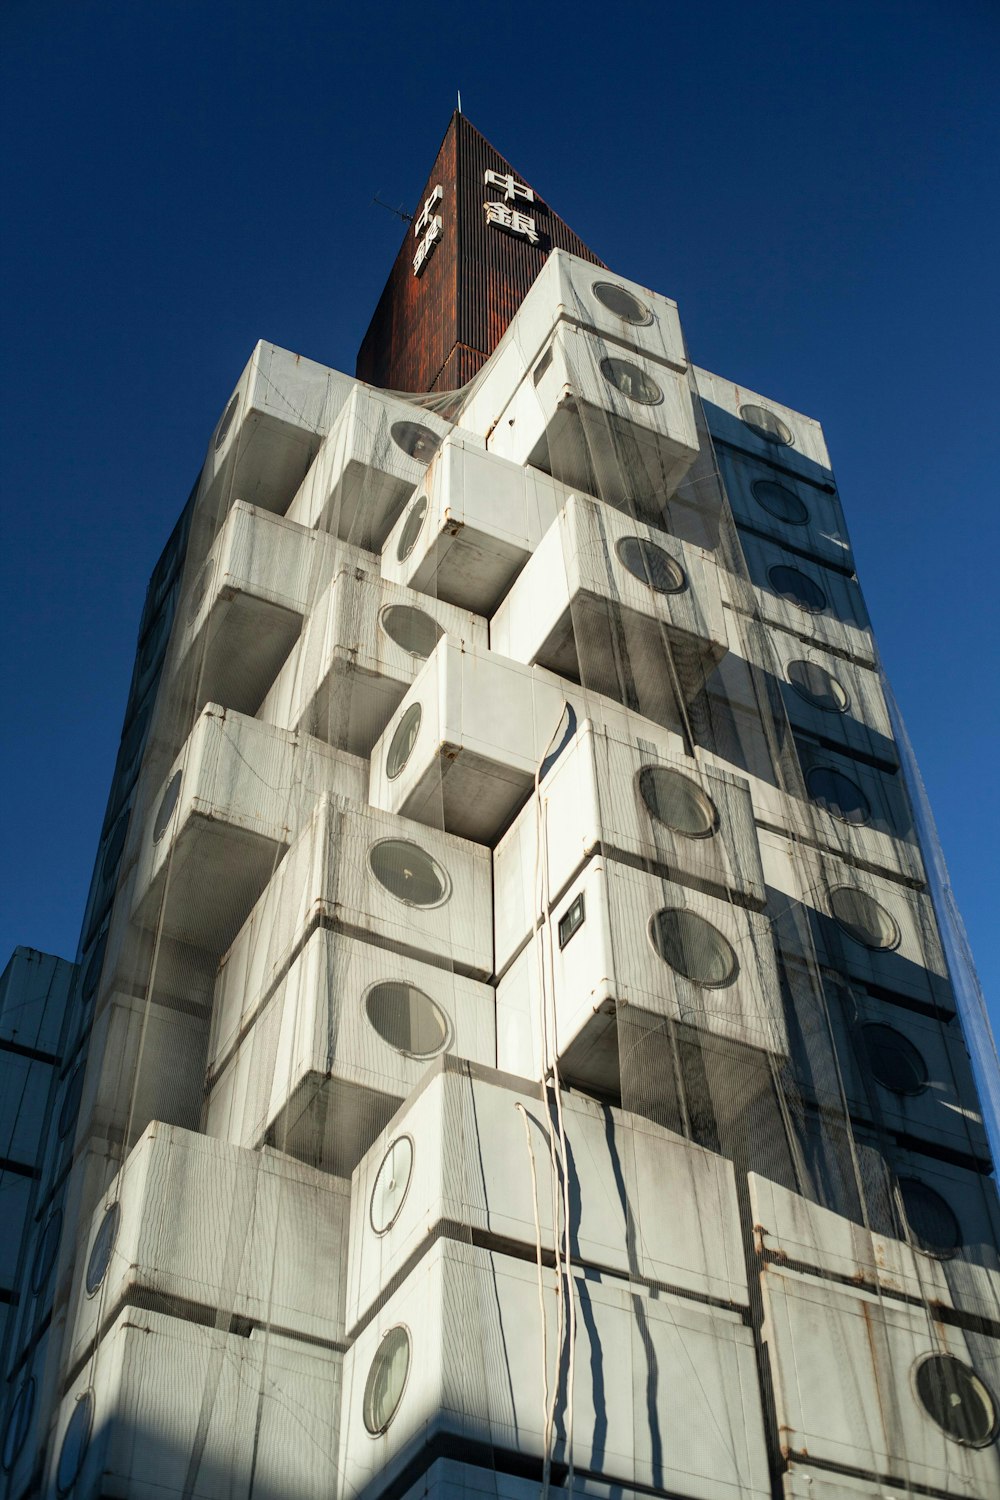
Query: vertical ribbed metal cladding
[
  {"x": 497, "y": 267},
  {"x": 436, "y": 330}
]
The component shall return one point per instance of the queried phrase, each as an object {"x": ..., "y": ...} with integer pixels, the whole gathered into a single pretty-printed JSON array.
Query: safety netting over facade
[{"x": 514, "y": 1046}]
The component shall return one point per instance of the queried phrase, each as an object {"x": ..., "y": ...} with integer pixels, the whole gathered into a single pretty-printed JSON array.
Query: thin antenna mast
[
  {"x": 459, "y": 101},
  {"x": 400, "y": 212}
]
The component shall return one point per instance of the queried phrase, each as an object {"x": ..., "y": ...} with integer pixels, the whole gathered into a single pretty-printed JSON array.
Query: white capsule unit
[
  {"x": 861, "y": 925},
  {"x": 615, "y": 604},
  {"x": 860, "y": 813},
  {"x": 374, "y": 457},
  {"x": 787, "y": 507},
  {"x": 791, "y": 1229},
  {"x": 623, "y": 944},
  {"x": 455, "y": 1357},
  {"x": 866, "y": 1384},
  {"x": 803, "y": 1482},
  {"x": 362, "y": 646},
  {"x": 243, "y": 610},
  {"x": 471, "y": 526},
  {"x": 451, "y": 1479},
  {"x": 465, "y": 745},
  {"x": 619, "y": 312},
  {"x": 803, "y": 597},
  {"x": 167, "y": 1408},
  {"x": 767, "y": 430},
  {"x": 379, "y": 878},
  {"x": 271, "y": 428},
  {"x": 202, "y": 1226},
  {"x": 228, "y": 809},
  {"x": 653, "y": 806},
  {"x": 321, "y": 1066},
  {"x": 599, "y": 418},
  {"x": 458, "y": 1159}
]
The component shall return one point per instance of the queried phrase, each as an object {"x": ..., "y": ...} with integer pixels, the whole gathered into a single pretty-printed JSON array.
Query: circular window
[
  {"x": 18, "y": 1423},
  {"x": 677, "y": 802},
  {"x": 46, "y": 1251},
  {"x": 92, "y": 973},
  {"x": 403, "y": 741},
  {"x": 115, "y": 845},
  {"x": 407, "y": 1019},
  {"x": 651, "y": 564},
  {"x": 932, "y": 1224},
  {"x": 797, "y": 588},
  {"x": 817, "y": 686},
  {"x": 200, "y": 587},
  {"x": 74, "y": 1443},
  {"x": 895, "y": 1063},
  {"x": 222, "y": 431},
  {"x": 167, "y": 805},
  {"x": 154, "y": 640},
  {"x": 418, "y": 441},
  {"x": 838, "y": 795},
  {"x": 386, "y": 1380},
  {"x": 104, "y": 1244},
  {"x": 693, "y": 947},
  {"x": 622, "y": 303},
  {"x": 391, "y": 1184},
  {"x": 766, "y": 424},
  {"x": 954, "y": 1397},
  {"x": 409, "y": 873},
  {"x": 632, "y": 382},
  {"x": 781, "y": 502},
  {"x": 71, "y": 1102},
  {"x": 863, "y": 919},
  {"x": 412, "y": 629},
  {"x": 411, "y": 529}
]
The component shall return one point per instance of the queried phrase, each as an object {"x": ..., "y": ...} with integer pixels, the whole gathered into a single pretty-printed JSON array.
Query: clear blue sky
[{"x": 817, "y": 185}]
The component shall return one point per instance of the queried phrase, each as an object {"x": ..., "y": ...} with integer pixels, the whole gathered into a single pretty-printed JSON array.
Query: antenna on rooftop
[
  {"x": 400, "y": 212},
  {"x": 459, "y": 91}
]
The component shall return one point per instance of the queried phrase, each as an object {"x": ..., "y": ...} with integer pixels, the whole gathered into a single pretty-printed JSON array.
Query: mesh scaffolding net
[{"x": 515, "y": 1044}]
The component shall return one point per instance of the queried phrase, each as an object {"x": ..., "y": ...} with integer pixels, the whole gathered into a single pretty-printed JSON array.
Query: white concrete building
[{"x": 513, "y": 1046}]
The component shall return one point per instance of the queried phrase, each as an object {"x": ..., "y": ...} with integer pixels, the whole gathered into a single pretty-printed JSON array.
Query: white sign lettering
[
  {"x": 512, "y": 219},
  {"x": 512, "y": 190},
  {"x": 425, "y": 215},
  {"x": 426, "y": 246}
]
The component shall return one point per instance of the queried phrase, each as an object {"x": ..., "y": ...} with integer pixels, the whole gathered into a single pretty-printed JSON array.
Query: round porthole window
[
  {"x": 92, "y": 973},
  {"x": 391, "y": 1184},
  {"x": 817, "y": 686},
  {"x": 632, "y": 382},
  {"x": 411, "y": 529},
  {"x": 413, "y": 630},
  {"x": 766, "y": 424},
  {"x": 650, "y": 564},
  {"x": 407, "y": 1019},
  {"x": 932, "y": 1224},
  {"x": 797, "y": 588},
  {"x": 863, "y": 919},
  {"x": 895, "y": 1063},
  {"x": 46, "y": 1251},
  {"x": 75, "y": 1441},
  {"x": 781, "y": 502},
  {"x": 18, "y": 1423},
  {"x": 386, "y": 1380},
  {"x": 416, "y": 440},
  {"x": 954, "y": 1397},
  {"x": 115, "y": 845},
  {"x": 402, "y": 743},
  {"x": 201, "y": 586},
  {"x": 72, "y": 1095},
  {"x": 694, "y": 948},
  {"x": 166, "y": 808},
  {"x": 621, "y": 302},
  {"x": 102, "y": 1248},
  {"x": 409, "y": 873},
  {"x": 838, "y": 795},
  {"x": 674, "y": 800},
  {"x": 222, "y": 431}
]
